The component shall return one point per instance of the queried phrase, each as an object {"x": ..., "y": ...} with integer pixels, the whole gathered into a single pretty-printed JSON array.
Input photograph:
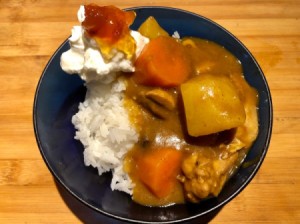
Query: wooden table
[{"x": 30, "y": 32}]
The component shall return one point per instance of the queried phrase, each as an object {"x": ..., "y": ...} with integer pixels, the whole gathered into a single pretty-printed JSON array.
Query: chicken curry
[{"x": 195, "y": 114}]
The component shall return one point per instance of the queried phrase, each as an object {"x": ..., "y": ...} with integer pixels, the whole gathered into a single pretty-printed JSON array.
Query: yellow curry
[{"x": 195, "y": 114}]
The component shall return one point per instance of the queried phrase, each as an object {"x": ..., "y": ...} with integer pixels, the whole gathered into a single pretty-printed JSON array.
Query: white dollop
[
  {"x": 72, "y": 61},
  {"x": 75, "y": 40},
  {"x": 85, "y": 59},
  {"x": 81, "y": 14}
]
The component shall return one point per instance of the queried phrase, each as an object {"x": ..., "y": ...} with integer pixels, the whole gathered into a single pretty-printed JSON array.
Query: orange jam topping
[{"x": 109, "y": 26}]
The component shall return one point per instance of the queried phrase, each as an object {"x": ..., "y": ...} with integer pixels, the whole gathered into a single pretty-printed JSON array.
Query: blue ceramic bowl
[{"x": 58, "y": 95}]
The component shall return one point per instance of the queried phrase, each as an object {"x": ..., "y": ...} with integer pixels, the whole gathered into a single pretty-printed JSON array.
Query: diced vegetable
[
  {"x": 151, "y": 29},
  {"x": 163, "y": 62},
  {"x": 211, "y": 104},
  {"x": 158, "y": 169}
]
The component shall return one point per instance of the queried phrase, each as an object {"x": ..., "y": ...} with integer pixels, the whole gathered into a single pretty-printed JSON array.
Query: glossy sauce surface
[{"x": 207, "y": 57}]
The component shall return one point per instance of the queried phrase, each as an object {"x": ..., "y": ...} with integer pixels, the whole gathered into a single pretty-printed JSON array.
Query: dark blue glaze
[{"x": 58, "y": 95}]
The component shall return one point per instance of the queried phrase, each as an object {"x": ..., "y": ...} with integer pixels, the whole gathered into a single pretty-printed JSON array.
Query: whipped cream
[{"x": 85, "y": 58}]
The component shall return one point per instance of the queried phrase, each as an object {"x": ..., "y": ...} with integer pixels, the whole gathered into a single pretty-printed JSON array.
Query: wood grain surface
[{"x": 30, "y": 32}]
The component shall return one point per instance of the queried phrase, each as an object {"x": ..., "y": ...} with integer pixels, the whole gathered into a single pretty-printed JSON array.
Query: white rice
[
  {"x": 104, "y": 129},
  {"x": 102, "y": 123}
]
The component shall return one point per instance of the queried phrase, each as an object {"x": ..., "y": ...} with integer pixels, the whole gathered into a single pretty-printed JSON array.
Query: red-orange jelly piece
[{"x": 109, "y": 26}]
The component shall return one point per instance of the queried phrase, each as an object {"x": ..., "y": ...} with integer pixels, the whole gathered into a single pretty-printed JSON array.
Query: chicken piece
[
  {"x": 157, "y": 101},
  {"x": 203, "y": 66},
  {"x": 204, "y": 176},
  {"x": 155, "y": 109},
  {"x": 235, "y": 145},
  {"x": 161, "y": 97}
]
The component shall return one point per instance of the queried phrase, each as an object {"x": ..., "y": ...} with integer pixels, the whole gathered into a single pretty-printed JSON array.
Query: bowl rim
[{"x": 221, "y": 204}]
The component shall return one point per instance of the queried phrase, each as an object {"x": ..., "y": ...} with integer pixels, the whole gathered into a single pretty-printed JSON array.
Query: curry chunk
[
  {"x": 190, "y": 95},
  {"x": 157, "y": 102},
  {"x": 152, "y": 107},
  {"x": 162, "y": 97},
  {"x": 211, "y": 104},
  {"x": 204, "y": 176},
  {"x": 151, "y": 29}
]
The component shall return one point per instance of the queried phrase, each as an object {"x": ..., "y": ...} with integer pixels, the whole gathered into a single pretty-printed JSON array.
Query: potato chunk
[
  {"x": 151, "y": 29},
  {"x": 211, "y": 104}
]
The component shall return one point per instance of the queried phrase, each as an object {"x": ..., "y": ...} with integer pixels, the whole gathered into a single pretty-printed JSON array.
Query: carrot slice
[
  {"x": 158, "y": 169},
  {"x": 163, "y": 62}
]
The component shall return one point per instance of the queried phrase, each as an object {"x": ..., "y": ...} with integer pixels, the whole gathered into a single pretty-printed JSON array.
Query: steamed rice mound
[
  {"x": 104, "y": 129},
  {"x": 102, "y": 123}
]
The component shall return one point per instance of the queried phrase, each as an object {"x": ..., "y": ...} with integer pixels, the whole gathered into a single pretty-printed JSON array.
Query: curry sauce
[{"x": 159, "y": 117}]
